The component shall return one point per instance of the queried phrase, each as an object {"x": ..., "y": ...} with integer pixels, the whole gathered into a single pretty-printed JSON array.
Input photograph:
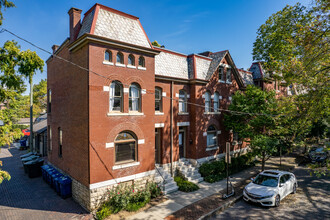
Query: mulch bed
[{"x": 206, "y": 205}]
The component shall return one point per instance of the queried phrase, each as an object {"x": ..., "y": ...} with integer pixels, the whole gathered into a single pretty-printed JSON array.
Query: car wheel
[
  {"x": 277, "y": 201},
  {"x": 294, "y": 189}
]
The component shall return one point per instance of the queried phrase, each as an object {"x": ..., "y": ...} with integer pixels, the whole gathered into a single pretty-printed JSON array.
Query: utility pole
[{"x": 31, "y": 113}]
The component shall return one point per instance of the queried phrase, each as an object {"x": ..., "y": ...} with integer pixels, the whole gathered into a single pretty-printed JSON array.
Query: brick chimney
[
  {"x": 74, "y": 14},
  {"x": 55, "y": 47}
]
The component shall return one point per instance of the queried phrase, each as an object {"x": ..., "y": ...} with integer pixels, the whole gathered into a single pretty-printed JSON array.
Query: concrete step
[
  {"x": 170, "y": 190},
  {"x": 187, "y": 169},
  {"x": 194, "y": 180},
  {"x": 170, "y": 185}
]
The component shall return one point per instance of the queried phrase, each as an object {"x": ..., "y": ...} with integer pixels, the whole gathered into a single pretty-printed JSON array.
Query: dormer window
[
  {"x": 142, "y": 62},
  {"x": 120, "y": 58},
  {"x": 228, "y": 75},
  {"x": 221, "y": 74},
  {"x": 108, "y": 56},
  {"x": 131, "y": 60}
]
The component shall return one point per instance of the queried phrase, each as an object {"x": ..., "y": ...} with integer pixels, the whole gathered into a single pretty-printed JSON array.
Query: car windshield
[{"x": 266, "y": 180}]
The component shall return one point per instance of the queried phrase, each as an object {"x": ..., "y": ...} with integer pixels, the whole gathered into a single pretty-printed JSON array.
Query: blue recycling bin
[
  {"x": 55, "y": 176},
  {"x": 49, "y": 175},
  {"x": 65, "y": 187},
  {"x": 43, "y": 171},
  {"x": 57, "y": 183}
]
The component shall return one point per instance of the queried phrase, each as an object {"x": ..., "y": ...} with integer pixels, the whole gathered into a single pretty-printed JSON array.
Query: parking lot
[{"x": 312, "y": 201}]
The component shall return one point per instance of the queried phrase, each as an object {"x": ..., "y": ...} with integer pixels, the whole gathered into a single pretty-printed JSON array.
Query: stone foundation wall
[{"x": 91, "y": 199}]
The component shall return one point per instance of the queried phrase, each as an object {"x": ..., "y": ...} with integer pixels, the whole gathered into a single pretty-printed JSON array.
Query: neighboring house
[
  {"x": 131, "y": 111},
  {"x": 246, "y": 76},
  {"x": 266, "y": 80},
  {"x": 40, "y": 135},
  {"x": 24, "y": 121}
]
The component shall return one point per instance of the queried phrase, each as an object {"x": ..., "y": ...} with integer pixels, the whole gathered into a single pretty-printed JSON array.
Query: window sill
[
  {"x": 212, "y": 148},
  {"x": 229, "y": 82},
  {"x": 120, "y": 64},
  {"x": 212, "y": 113},
  {"x": 108, "y": 63},
  {"x": 130, "y": 66},
  {"x": 183, "y": 113},
  {"x": 125, "y": 114},
  {"x": 159, "y": 113},
  {"x": 142, "y": 68},
  {"x": 116, "y": 167},
  {"x": 221, "y": 81}
]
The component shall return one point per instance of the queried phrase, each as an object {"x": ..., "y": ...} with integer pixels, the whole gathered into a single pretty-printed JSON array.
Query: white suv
[{"x": 270, "y": 187}]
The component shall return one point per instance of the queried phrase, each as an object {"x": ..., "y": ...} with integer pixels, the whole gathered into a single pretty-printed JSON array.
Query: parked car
[
  {"x": 270, "y": 187},
  {"x": 317, "y": 155},
  {"x": 26, "y": 132}
]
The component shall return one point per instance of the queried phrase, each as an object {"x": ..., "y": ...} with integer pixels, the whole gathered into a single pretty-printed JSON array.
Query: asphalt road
[{"x": 312, "y": 201}]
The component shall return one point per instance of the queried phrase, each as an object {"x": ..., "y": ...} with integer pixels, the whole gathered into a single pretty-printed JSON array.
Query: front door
[
  {"x": 182, "y": 141},
  {"x": 157, "y": 145}
]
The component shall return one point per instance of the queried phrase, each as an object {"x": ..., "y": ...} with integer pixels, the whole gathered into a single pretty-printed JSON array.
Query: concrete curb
[{"x": 214, "y": 212}]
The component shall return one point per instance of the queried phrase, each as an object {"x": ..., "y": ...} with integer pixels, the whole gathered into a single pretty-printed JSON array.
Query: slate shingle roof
[{"x": 246, "y": 77}]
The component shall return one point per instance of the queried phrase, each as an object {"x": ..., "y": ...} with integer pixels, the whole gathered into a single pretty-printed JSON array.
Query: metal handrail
[{"x": 164, "y": 181}]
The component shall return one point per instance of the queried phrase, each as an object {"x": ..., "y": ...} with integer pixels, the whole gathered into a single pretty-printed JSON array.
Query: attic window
[
  {"x": 108, "y": 56},
  {"x": 228, "y": 75},
  {"x": 221, "y": 75}
]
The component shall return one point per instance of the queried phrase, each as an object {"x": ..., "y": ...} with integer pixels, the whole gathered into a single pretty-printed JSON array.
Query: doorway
[
  {"x": 157, "y": 145},
  {"x": 182, "y": 142}
]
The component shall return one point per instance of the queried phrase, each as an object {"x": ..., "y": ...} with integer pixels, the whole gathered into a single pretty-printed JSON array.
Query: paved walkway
[
  {"x": 25, "y": 198},
  {"x": 179, "y": 200}
]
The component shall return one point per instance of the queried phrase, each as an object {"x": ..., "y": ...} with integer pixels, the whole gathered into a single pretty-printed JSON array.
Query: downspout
[{"x": 171, "y": 124}]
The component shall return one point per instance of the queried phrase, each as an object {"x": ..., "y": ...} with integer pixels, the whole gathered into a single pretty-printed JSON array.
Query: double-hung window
[
  {"x": 182, "y": 101},
  {"x": 116, "y": 96},
  {"x": 228, "y": 75},
  {"x": 135, "y": 98},
  {"x": 212, "y": 140},
  {"x": 125, "y": 147},
  {"x": 207, "y": 102},
  {"x": 216, "y": 102},
  {"x": 158, "y": 100}
]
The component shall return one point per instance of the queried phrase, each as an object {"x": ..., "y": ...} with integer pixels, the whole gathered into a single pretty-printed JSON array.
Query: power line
[{"x": 108, "y": 78}]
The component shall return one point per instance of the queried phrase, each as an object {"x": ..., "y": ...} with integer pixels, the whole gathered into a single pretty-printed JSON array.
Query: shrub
[
  {"x": 184, "y": 185},
  {"x": 104, "y": 212},
  {"x": 154, "y": 190}
]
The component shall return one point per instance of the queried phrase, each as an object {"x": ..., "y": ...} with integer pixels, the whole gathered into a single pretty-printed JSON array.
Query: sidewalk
[{"x": 180, "y": 204}]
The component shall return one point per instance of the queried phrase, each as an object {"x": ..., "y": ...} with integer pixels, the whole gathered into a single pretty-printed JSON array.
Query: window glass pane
[
  {"x": 141, "y": 61},
  {"x": 120, "y": 58},
  {"x": 107, "y": 56},
  {"x": 211, "y": 139},
  {"x": 229, "y": 75},
  {"x": 124, "y": 136},
  {"x": 117, "y": 89},
  {"x": 157, "y": 105},
  {"x": 216, "y": 106},
  {"x": 131, "y": 60},
  {"x": 116, "y": 104},
  {"x": 157, "y": 94},
  {"x": 125, "y": 151}
]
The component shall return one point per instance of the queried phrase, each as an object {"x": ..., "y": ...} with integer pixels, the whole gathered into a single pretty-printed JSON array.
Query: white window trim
[
  {"x": 130, "y": 66},
  {"x": 141, "y": 141},
  {"x": 183, "y": 123},
  {"x": 116, "y": 167},
  {"x": 183, "y": 113},
  {"x": 120, "y": 64},
  {"x": 212, "y": 148},
  {"x": 108, "y": 63},
  {"x": 164, "y": 94},
  {"x": 212, "y": 113},
  {"x": 159, "y": 125},
  {"x": 125, "y": 114},
  {"x": 109, "y": 145},
  {"x": 159, "y": 113},
  {"x": 229, "y": 82},
  {"x": 126, "y": 90},
  {"x": 141, "y": 68},
  {"x": 106, "y": 88},
  {"x": 221, "y": 81}
]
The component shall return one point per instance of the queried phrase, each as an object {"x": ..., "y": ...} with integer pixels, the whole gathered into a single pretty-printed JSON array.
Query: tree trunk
[{"x": 263, "y": 161}]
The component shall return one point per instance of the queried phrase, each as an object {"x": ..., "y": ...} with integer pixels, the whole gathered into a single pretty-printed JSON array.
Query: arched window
[
  {"x": 158, "y": 100},
  {"x": 182, "y": 101},
  {"x": 125, "y": 147},
  {"x": 212, "y": 139},
  {"x": 142, "y": 61},
  {"x": 108, "y": 56},
  {"x": 120, "y": 58},
  {"x": 134, "y": 97},
  {"x": 116, "y": 96},
  {"x": 216, "y": 102},
  {"x": 228, "y": 75},
  {"x": 131, "y": 60},
  {"x": 221, "y": 74},
  {"x": 207, "y": 102}
]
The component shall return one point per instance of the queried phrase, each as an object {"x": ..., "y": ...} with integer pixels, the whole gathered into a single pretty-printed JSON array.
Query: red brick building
[{"x": 122, "y": 108}]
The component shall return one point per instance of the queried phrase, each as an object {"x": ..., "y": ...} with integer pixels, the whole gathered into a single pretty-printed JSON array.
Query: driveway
[
  {"x": 25, "y": 198},
  {"x": 312, "y": 201}
]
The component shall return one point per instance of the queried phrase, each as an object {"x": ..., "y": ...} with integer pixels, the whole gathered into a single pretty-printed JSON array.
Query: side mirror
[
  {"x": 252, "y": 179},
  {"x": 281, "y": 184}
]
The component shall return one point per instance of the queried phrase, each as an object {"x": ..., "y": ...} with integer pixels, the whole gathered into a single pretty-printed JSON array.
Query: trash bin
[
  {"x": 49, "y": 173},
  {"x": 56, "y": 183},
  {"x": 26, "y": 159},
  {"x": 34, "y": 168},
  {"x": 65, "y": 187},
  {"x": 55, "y": 176},
  {"x": 43, "y": 171},
  {"x": 27, "y": 163},
  {"x": 26, "y": 155}
]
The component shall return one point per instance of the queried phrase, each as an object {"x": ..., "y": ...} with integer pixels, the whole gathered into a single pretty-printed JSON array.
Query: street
[{"x": 312, "y": 201}]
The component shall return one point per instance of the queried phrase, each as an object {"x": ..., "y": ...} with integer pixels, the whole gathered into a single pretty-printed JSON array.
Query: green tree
[
  {"x": 40, "y": 97},
  {"x": 295, "y": 43},
  {"x": 258, "y": 129},
  {"x": 155, "y": 43},
  {"x": 3, "y": 5}
]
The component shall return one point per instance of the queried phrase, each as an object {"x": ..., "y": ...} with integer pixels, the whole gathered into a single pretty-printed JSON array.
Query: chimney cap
[{"x": 74, "y": 9}]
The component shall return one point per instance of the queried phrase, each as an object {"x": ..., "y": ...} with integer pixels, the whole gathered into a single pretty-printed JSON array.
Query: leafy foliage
[
  {"x": 184, "y": 185},
  {"x": 155, "y": 43},
  {"x": 259, "y": 128},
  {"x": 4, "y": 175},
  {"x": 3, "y": 5},
  {"x": 127, "y": 198}
]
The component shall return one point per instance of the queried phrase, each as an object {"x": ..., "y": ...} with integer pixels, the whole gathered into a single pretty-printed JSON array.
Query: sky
[{"x": 183, "y": 26}]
